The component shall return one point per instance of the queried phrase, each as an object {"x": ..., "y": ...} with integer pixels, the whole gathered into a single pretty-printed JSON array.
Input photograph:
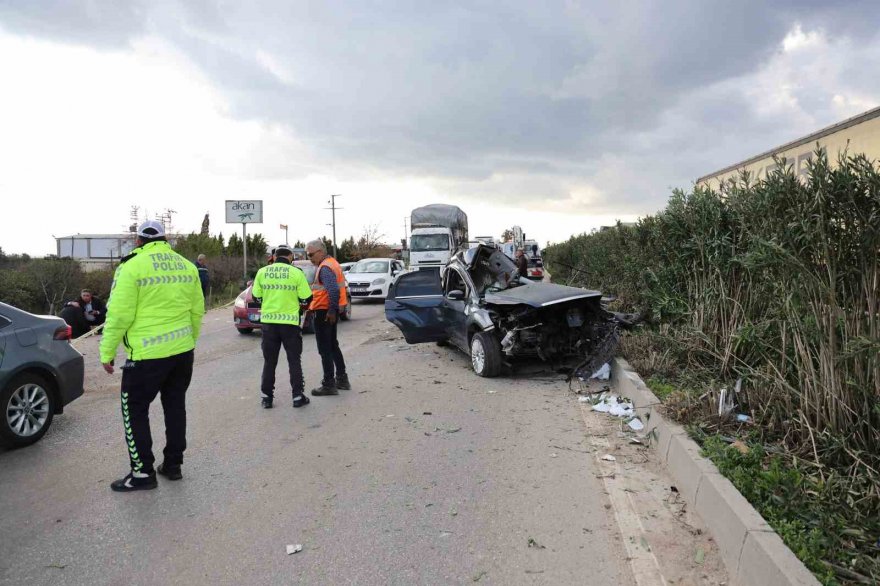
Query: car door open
[{"x": 414, "y": 305}]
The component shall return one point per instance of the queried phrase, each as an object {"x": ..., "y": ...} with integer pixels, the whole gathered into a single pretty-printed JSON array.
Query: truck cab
[{"x": 430, "y": 247}]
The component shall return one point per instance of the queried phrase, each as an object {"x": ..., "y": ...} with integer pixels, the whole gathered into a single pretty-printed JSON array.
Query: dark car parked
[
  {"x": 479, "y": 305},
  {"x": 40, "y": 373}
]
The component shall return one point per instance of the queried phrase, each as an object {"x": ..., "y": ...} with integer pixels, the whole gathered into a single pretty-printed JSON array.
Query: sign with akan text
[{"x": 244, "y": 211}]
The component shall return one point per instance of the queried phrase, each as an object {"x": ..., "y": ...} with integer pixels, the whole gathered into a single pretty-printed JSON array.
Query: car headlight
[
  {"x": 239, "y": 302},
  {"x": 378, "y": 282}
]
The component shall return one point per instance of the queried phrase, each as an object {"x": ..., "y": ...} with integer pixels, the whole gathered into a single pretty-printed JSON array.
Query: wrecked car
[{"x": 480, "y": 305}]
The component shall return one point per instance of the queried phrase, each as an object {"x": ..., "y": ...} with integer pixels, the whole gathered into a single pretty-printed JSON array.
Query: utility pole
[
  {"x": 333, "y": 207},
  {"x": 405, "y": 230}
]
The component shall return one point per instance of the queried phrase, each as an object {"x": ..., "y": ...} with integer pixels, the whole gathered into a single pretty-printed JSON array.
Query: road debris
[
  {"x": 612, "y": 404},
  {"x": 635, "y": 424},
  {"x": 604, "y": 372},
  {"x": 743, "y": 418},
  {"x": 292, "y": 549},
  {"x": 534, "y": 544},
  {"x": 609, "y": 458}
]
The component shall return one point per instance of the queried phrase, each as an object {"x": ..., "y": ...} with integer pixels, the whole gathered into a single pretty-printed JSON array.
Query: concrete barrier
[{"x": 753, "y": 553}]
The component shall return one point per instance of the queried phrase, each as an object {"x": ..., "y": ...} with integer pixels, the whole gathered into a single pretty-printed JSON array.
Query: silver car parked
[{"x": 40, "y": 373}]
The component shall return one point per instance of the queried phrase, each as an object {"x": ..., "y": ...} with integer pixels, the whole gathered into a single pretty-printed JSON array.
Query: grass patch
[{"x": 816, "y": 515}]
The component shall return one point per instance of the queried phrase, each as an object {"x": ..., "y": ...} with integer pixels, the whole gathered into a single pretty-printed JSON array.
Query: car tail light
[{"x": 64, "y": 333}]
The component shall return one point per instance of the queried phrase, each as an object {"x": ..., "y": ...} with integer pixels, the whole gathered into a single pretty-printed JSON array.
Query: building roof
[
  {"x": 123, "y": 236},
  {"x": 864, "y": 117}
]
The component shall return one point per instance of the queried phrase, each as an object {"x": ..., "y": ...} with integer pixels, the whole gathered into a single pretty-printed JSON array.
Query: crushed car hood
[{"x": 539, "y": 295}]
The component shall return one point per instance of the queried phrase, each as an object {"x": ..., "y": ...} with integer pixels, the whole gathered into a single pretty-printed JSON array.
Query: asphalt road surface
[{"x": 422, "y": 474}]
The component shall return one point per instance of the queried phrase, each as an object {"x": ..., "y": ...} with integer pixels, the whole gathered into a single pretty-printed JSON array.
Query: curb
[{"x": 753, "y": 553}]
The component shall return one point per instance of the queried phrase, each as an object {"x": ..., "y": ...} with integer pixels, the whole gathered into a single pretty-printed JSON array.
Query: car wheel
[
  {"x": 245, "y": 331},
  {"x": 485, "y": 355},
  {"x": 28, "y": 408},
  {"x": 346, "y": 315}
]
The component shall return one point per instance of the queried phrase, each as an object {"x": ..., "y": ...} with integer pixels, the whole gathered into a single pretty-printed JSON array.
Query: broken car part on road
[{"x": 479, "y": 305}]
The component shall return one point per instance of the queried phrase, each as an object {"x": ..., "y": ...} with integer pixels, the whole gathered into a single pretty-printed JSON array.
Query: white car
[{"x": 371, "y": 277}]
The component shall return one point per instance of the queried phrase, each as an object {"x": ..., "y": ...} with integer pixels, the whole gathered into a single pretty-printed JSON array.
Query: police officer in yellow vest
[
  {"x": 285, "y": 293},
  {"x": 155, "y": 309},
  {"x": 330, "y": 299}
]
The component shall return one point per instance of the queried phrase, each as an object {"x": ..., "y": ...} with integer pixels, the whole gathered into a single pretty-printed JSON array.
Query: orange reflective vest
[{"x": 320, "y": 296}]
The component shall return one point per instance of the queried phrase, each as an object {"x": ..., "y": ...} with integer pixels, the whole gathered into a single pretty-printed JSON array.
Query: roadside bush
[{"x": 776, "y": 282}]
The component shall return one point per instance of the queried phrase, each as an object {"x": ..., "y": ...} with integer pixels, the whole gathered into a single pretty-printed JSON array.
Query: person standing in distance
[
  {"x": 204, "y": 276},
  {"x": 329, "y": 297},
  {"x": 284, "y": 293},
  {"x": 155, "y": 310},
  {"x": 522, "y": 263}
]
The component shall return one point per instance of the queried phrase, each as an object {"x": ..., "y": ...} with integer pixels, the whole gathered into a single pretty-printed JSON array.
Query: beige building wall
[{"x": 857, "y": 135}]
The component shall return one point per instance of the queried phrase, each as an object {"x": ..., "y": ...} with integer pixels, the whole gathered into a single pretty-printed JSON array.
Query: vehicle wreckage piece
[{"x": 481, "y": 306}]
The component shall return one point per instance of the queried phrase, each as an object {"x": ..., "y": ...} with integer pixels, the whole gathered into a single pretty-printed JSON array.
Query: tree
[
  {"x": 195, "y": 244},
  {"x": 507, "y": 235},
  {"x": 206, "y": 224},
  {"x": 346, "y": 250},
  {"x": 234, "y": 247},
  {"x": 299, "y": 244},
  {"x": 56, "y": 278},
  {"x": 370, "y": 244}
]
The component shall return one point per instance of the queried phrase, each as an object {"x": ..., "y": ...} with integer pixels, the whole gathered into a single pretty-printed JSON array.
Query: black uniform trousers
[
  {"x": 332, "y": 360},
  {"x": 142, "y": 380},
  {"x": 275, "y": 336}
]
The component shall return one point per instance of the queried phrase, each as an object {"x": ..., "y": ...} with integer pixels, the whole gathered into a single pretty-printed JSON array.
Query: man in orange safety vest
[{"x": 328, "y": 298}]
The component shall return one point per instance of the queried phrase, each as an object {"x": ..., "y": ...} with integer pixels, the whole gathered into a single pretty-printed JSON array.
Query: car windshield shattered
[{"x": 491, "y": 270}]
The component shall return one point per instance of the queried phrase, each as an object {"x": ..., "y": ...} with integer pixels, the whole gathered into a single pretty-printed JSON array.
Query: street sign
[{"x": 244, "y": 211}]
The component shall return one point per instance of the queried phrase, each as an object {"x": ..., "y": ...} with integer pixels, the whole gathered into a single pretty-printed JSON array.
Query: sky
[{"x": 560, "y": 117}]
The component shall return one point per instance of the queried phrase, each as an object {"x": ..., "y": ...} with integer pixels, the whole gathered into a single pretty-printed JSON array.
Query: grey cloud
[{"x": 624, "y": 98}]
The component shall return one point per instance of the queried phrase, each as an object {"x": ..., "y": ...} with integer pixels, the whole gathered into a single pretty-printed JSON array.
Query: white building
[{"x": 97, "y": 251}]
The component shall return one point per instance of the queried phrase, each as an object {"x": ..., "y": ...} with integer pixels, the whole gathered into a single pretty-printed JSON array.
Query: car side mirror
[{"x": 456, "y": 295}]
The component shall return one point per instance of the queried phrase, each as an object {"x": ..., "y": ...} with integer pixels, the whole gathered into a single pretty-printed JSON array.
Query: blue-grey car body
[
  {"x": 28, "y": 345},
  {"x": 480, "y": 292}
]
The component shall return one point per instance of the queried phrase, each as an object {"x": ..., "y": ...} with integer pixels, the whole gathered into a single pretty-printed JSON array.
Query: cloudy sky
[{"x": 557, "y": 116}]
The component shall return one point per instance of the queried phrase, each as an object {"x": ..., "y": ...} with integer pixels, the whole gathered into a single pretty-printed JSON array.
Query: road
[{"x": 422, "y": 474}]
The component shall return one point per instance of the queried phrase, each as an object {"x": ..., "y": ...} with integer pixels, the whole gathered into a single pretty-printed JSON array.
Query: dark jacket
[
  {"x": 204, "y": 277},
  {"x": 76, "y": 316}
]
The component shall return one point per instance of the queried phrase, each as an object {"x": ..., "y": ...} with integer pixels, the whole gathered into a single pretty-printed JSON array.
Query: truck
[{"x": 437, "y": 231}]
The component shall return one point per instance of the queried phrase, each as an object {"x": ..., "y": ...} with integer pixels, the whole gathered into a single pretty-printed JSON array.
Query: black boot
[
  {"x": 326, "y": 388},
  {"x": 169, "y": 472},
  {"x": 342, "y": 382},
  {"x": 135, "y": 481},
  {"x": 300, "y": 401},
  {"x": 267, "y": 402}
]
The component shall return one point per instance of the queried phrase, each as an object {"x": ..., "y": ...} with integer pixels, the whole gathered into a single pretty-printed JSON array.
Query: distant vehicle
[
  {"x": 246, "y": 310},
  {"x": 533, "y": 255},
  {"x": 487, "y": 240},
  {"x": 346, "y": 266},
  {"x": 371, "y": 277},
  {"x": 40, "y": 373},
  {"x": 437, "y": 232},
  {"x": 481, "y": 306}
]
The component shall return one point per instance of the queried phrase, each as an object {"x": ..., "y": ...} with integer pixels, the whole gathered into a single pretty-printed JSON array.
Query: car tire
[
  {"x": 31, "y": 392},
  {"x": 485, "y": 355},
  {"x": 245, "y": 331},
  {"x": 346, "y": 315}
]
